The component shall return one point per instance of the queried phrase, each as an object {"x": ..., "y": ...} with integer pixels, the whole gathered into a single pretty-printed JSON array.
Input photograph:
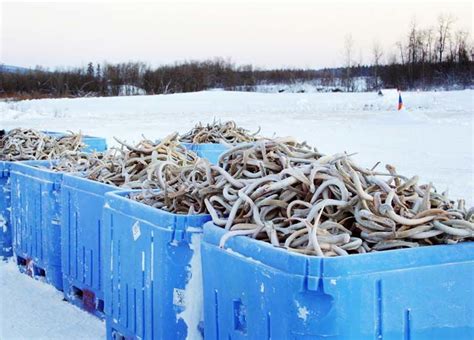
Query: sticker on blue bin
[
  {"x": 178, "y": 297},
  {"x": 136, "y": 231}
]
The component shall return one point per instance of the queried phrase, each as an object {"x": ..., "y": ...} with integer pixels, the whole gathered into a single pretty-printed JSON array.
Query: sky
[{"x": 265, "y": 33}]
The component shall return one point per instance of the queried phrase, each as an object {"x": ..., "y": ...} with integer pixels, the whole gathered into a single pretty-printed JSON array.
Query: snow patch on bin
[{"x": 193, "y": 296}]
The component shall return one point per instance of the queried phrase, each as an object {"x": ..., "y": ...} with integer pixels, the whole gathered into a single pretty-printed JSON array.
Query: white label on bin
[
  {"x": 178, "y": 297},
  {"x": 136, "y": 231}
]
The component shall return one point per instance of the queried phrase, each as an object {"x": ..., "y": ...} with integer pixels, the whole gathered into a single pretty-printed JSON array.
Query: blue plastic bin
[
  {"x": 82, "y": 202},
  {"x": 35, "y": 217},
  {"x": 5, "y": 226},
  {"x": 265, "y": 292},
  {"x": 209, "y": 151},
  {"x": 152, "y": 271},
  {"x": 92, "y": 144}
]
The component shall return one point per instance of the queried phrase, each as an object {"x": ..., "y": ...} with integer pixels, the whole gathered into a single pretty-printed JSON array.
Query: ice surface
[
  {"x": 432, "y": 137},
  {"x": 30, "y": 309}
]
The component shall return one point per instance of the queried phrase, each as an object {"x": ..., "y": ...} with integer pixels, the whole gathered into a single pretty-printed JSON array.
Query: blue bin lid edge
[
  {"x": 37, "y": 168},
  {"x": 120, "y": 201},
  {"x": 76, "y": 182},
  {"x": 356, "y": 264}
]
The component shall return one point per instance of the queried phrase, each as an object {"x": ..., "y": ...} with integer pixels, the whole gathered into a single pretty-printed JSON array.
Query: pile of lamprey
[
  {"x": 28, "y": 144},
  {"x": 145, "y": 165},
  {"x": 275, "y": 190},
  {"x": 217, "y": 132},
  {"x": 284, "y": 193}
]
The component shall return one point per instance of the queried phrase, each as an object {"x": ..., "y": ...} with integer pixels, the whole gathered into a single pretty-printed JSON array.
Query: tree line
[
  {"x": 432, "y": 56},
  {"x": 426, "y": 58}
]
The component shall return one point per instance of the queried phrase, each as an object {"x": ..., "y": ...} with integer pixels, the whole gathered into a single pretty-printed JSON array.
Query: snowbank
[{"x": 432, "y": 137}]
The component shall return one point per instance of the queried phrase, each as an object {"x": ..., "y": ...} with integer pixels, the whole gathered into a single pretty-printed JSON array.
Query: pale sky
[{"x": 308, "y": 34}]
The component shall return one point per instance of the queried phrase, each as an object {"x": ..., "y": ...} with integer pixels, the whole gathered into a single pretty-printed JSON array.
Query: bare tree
[
  {"x": 412, "y": 46},
  {"x": 399, "y": 45},
  {"x": 427, "y": 44},
  {"x": 462, "y": 46},
  {"x": 348, "y": 61},
  {"x": 444, "y": 26},
  {"x": 377, "y": 54}
]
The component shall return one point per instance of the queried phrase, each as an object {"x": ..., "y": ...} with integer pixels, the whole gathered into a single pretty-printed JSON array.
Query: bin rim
[
  {"x": 355, "y": 264},
  {"x": 39, "y": 165},
  {"x": 76, "y": 177},
  {"x": 121, "y": 195}
]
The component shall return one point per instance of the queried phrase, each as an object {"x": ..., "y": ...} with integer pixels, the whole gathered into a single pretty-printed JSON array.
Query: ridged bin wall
[
  {"x": 5, "y": 208},
  {"x": 82, "y": 202},
  {"x": 152, "y": 278},
  {"x": 35, "y": 217},
  {"x": 268, "y": 293}
]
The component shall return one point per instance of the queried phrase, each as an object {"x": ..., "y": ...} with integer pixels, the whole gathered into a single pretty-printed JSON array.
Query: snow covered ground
[
  {"x": 432, "y": 137},
  {"x": 30, "y": 309}
]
